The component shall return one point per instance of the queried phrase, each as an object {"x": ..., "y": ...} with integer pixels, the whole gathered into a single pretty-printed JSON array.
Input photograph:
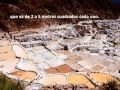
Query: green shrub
[{"x": 9, "y": 84}]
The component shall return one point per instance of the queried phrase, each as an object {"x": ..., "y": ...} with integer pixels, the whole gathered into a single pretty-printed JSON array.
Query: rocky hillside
[{"x": 102, "y": 8}]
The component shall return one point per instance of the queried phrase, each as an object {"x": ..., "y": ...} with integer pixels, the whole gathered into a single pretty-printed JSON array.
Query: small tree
[{"x": 110, "y": 85}]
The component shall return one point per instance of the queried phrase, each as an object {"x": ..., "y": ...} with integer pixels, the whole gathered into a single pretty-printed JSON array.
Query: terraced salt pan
[
  {"x": 44, "y": 58},
  {"x": 19, "y": 51},
  {"x": 101, "y": 78},
  {"x": 69, "y": 55},
  {"x": 24, "y": 75},
  {"x": 5, "y": 49},
  {"x": 79, "y": 79},
  {"x": 6, "y": 56},
  {"x": 6, "y": 52},
  {"x": 26, "y": 65},
  {"x": 63, "y": 79},
  {"x": 60, "y": 69},
  {"x": 8, "y": 66},
  {"x": 85, "y": 64},
  {"x": 54, "y": 79},
  {"x": 4, "y": 43}
]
